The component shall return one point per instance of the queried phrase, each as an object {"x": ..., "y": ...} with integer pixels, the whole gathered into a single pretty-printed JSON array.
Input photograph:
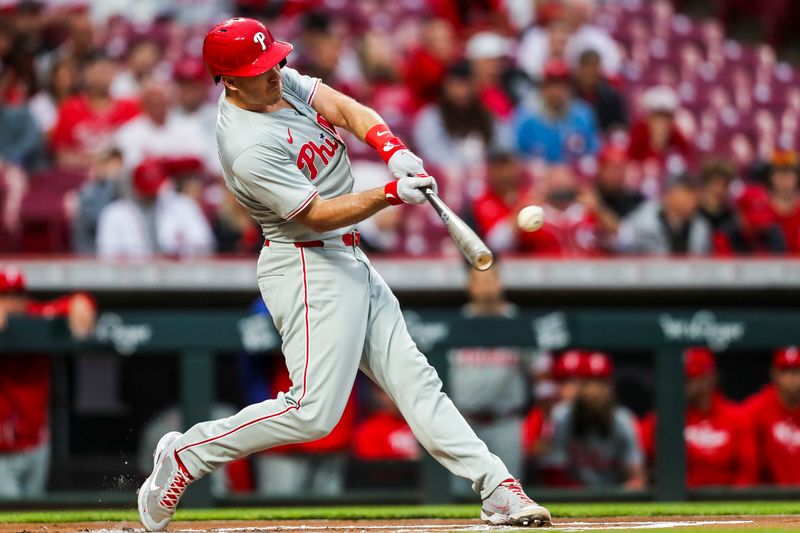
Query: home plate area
[{"x": 689, "y": 523}]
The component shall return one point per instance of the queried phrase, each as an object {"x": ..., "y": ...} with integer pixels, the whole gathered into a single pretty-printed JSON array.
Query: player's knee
[{"x": 318, "y": 424}]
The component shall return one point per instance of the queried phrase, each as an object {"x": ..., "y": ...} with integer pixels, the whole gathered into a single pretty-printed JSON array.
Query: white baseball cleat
[
  {"x": 162, "y": 490},
  {"x": 508, "y": 505}
]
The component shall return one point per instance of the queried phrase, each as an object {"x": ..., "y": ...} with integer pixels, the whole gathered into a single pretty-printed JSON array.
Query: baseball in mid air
[{"x": 530, "y": 218}]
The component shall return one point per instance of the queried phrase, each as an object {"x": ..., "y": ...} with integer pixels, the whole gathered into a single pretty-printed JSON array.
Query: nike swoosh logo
[
  {"x": 289, "y": 131},
  {"x": 153, "y": 485},
  {"x": 381, "y": 134},
  {"x": 392, "y": 196}
]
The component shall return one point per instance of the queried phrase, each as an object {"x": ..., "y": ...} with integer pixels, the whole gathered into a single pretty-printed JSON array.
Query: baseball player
[{"x": 284, "y": 161}]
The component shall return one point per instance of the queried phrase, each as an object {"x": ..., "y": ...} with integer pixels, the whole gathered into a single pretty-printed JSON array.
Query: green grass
[{"x": 560, "y": 511}]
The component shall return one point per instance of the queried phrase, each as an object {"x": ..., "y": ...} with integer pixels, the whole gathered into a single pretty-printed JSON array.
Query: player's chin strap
[{"x": 386, "y": 143}]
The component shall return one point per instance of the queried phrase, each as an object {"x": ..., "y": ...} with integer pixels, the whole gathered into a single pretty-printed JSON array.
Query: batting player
[{"x": 283, "y": 159}]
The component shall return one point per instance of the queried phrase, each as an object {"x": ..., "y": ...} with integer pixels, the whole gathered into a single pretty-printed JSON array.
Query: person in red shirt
[
  {"x": 25, "y": 387},
  {"x": 427, "y": 65},
  {"x": 495, "y": 211},
  {"x": 784, "y": 190},
  {"x": 86, "y": 122},
  {"x": 719, "y": 447},
  {"x": 384, "y": 435},
  {"x": 655, "y": 136},
  {"x": 571, "y": 227},
  {"x": 774, "y": 416}
]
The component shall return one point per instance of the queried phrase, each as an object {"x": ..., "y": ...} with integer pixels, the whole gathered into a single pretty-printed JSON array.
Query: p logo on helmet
[{"x": 259, "y": 38}]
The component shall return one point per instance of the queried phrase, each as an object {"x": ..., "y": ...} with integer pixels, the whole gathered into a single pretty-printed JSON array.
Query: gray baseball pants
[{"x": 335, "y": 315}]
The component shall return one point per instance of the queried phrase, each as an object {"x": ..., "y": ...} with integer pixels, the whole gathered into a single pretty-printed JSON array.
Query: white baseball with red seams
[{"x": 334, "y": 312}]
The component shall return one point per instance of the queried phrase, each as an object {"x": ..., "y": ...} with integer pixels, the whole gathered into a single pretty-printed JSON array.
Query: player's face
[
  {"x": 788, "y": 384},
  {"x": 257, "y": 92},
  {"x": 700, "y": 389}
]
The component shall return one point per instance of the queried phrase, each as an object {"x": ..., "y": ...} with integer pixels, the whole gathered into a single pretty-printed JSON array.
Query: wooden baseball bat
[{"x": 473, "y": 248}]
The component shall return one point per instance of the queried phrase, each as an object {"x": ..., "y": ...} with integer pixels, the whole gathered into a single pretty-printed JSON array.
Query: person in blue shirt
[{"x": 555, "y": 126}]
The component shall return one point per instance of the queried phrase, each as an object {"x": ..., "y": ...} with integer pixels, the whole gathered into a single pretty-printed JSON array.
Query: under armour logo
[{"x": 259, "y": 38}]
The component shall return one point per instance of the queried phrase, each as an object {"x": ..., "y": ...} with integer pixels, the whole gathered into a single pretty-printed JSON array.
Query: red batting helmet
[{"x": 242, "y": 47}]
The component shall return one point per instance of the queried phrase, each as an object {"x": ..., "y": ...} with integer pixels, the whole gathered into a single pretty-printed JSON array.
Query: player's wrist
[
  {"x": 391, "y": 194},
  {"x": 386, "y": 143}
]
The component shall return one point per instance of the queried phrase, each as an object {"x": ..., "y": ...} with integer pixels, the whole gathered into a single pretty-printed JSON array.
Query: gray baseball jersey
[
  {"x": 595, "y": 459},
  {"x": 276, "y": 163},
  {"x": 334, "y": 312}
]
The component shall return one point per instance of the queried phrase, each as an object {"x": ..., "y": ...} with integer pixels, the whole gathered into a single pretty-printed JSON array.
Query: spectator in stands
[
  {"x": 570, "y": 228},
  {"x": 458, "y": 130},
  {"x": 428, "y": 64},
  {"x": 159, "y": 132},
  {"x": 755, "y": 229},
  {"x": 21, "y": 142},
  {"x": 384, "y": 435},
  {"x": 87, "y": 122},
  {"x": 656, "y": 136},
  {"x": 719, "y": 447},
  {"x": 593, "y": 88},
  {"x": 715, "y": 203},
  {"x": 671, "y": 226},
  {"x": 141, "y": 67},
  {"x": 310, "y": 468},
  {"x": 774, "y": 416},
  {"x": 747, "y": 225},
  {"x": 322, "y": 48},
  {"x": 195, "y": 112},
  {"x": 594, "y": 439},
  {"x": 25, "y": 387},
  {"x": 784, "y": 189},
  {"x": 62, "y": 83},
  {"x": 495, "y": 211},
  {"x": 155, "y": 220},
  {"x": 17, "y": 71},
  {"x": 490, "y": 385},
  {"x": 567, "y": 37},
  {"x": 579, "y": 15},
  {"x": 611, "y": 199},
  {"x": 103, "y": 187},
  {"x": 540, "y": 45},
  {"x": 500, "y": 86},
  {"x": 555, "y": 126}
]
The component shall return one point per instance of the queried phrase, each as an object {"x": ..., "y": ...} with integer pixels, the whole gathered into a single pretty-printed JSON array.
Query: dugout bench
[{"x": 196, "y": 336}]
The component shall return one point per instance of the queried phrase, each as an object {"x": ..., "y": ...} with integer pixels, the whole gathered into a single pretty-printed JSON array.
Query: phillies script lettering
[{"x": 307, "y": 158}]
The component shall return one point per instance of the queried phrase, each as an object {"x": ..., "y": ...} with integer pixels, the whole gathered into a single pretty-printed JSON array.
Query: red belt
[{"x": 349, "y": 239}]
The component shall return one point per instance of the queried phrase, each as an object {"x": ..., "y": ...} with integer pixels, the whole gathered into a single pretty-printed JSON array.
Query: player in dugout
[
  {"x": 25, "y": 387},
  {"x": 774, "y": 415},
  {"x": 719, "y": 447}
]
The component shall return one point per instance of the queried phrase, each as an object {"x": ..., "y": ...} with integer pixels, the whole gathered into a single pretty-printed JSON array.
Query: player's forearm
[{"x": 327, "y": 215}]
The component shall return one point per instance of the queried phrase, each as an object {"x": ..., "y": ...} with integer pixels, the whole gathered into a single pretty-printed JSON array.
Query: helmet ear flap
[{"x": 282, "y": 63}]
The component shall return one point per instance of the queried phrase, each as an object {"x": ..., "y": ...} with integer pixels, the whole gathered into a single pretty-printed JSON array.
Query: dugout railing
[{"x": 195, "y": 337}]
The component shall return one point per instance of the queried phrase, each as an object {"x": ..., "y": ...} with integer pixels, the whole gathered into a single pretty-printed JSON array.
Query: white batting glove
[
  {"x": 409, "y": 190},
  {"x": 404, "y": 163}
]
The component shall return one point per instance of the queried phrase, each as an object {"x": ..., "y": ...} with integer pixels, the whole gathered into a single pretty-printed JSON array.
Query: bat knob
[{"x": 483, "y": 261}]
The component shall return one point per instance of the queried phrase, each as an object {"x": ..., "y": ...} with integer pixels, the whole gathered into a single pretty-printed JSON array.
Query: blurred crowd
[
  {"x": 639, "y": 130},
  {"x": 555, "y": 419}
]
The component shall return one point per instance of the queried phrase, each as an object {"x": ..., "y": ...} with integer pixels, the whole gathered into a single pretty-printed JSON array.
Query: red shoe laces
[
  {"x": 177, "y": 485},
  {"x": 516, "y": 488}
]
